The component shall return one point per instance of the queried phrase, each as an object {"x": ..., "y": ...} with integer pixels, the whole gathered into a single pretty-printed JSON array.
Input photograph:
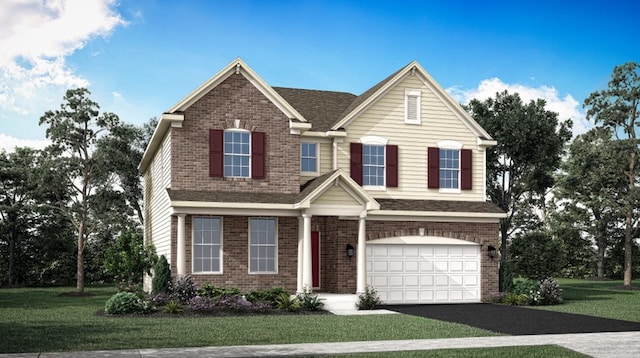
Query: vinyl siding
[
  {"x": 326, "y": 161},
  {"x": 385, "y": 118},
  {"x": 159, "y": 212},
  {"x": 336, "y": 196}
]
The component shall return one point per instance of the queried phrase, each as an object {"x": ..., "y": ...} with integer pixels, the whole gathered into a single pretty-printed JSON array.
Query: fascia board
[
  {"x": 222, "y": 205},
  {"x": 408, "y": 213}
]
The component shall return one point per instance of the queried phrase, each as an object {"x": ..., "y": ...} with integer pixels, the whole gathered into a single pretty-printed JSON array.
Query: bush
[
  {"x": 160, "y": 299},
  {"x": 161, "y": 282},
  {"x": 515, "y": 299},
  {"x": 127, "y": 259},
  {"x": 211, "y": 291},
  {"x": 549, "y": 292},
  {"x": 184, "y": 289},
  {"x": 270, "y": 295},
  {"x": 506, "y": 277},
  {"x": 172, "y": 306},
  {"x": 287, "y": 302},
  {"x": 309, "y": 301},
  {"x": 201, "y": 304},
  {"x": 537, "y": 255},
  {"x": 124, "y": 303},
  {"x": 369, "y": 299}
]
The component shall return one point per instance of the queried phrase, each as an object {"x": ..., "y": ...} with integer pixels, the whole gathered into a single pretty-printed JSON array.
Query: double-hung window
[
  {"x": 237, "y": 153},
  {"x": 449, "y": 168},
  {"x": 207, "y": 244},
  {"x": 309, "y": 158},
  {"x": 262, "y": 245},
  {"x": 373, "y": 164}
]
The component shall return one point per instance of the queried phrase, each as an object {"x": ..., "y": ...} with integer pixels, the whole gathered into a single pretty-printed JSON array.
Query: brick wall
[{"x": 234, "y": 99}]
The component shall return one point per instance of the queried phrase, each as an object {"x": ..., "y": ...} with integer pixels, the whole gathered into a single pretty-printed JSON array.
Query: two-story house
[{"x": 253, "y": 186}]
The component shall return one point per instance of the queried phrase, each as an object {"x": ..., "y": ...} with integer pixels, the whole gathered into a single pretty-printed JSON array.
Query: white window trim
[
  {"x": 376, "y": 140},
  {"x": 275, "y": 260},
  {"x": 317, "y": 171},
  {"x": 193, "y": 229},
  {"x": 224, "y": 153},
  {"x": 414, "y": 93},
  {"x": 450, "y": 144}
]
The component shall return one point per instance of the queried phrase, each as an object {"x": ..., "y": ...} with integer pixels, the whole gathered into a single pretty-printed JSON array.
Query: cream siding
[
  {"x": 159, "y": 213},
  {"x": 385, "y": 118},
  {"x": 325, "y": 158},
  {"x": 336, "y": 196}
]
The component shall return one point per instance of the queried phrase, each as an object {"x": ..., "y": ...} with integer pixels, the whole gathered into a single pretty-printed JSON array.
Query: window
[
  {"x": 373, "y": 165},
  {"x": 237, "y": 154},
  {"x": 309, "y": 158},
  {"x": 449, "y": 168},
  {"x": 207, "y": 245},
  {"x": 412, "y": 106},
  {"x": 262, "y": 245}
]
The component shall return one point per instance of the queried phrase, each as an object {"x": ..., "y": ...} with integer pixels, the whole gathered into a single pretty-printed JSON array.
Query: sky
[{"x": 139, "y": 58}]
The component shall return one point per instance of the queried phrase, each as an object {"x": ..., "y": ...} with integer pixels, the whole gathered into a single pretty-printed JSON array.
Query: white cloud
[
  {"x": 8, "y": 143},
  {"x": 566, "y": 106},
  {"x": 36, "y": 36}
]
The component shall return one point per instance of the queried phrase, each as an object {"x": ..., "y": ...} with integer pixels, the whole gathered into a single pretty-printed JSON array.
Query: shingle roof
[
  {"x": 439, "y": 205},
  {"x": 321, "y": 108}
]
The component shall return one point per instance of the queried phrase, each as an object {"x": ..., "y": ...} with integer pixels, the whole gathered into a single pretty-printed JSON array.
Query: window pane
[
  {"x": 262, "y": 244},
  {"x": 373, "y": 168},
  {"x": 206, "y": 244}
]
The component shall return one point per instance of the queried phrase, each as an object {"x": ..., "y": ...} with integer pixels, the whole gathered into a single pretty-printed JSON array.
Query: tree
[
  {"x": 128, "y": 259},
  {"x": 520, "y": 167},
  {"x": 618, "y": 109},
  {"x": 537, "y": 255},
  {"x": 75, "y": 130},
  {"x": 590, "y": 187}
]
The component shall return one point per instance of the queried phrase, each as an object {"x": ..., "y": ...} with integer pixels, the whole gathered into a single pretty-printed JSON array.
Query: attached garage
[{"x": 424, "y": 269}]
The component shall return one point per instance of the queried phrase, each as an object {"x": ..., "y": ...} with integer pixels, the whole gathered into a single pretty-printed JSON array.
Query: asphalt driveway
[{"x": 515, "y": 320}]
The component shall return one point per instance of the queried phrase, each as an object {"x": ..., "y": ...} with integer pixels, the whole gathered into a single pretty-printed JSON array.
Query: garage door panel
[{"x": 409, "y": 273}]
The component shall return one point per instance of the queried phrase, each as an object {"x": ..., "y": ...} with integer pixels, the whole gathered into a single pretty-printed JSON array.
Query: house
[{"x": 253, "y": 186}]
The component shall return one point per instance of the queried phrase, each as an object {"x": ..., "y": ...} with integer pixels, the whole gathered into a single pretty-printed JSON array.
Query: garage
[{"x": 423, "y": 269}]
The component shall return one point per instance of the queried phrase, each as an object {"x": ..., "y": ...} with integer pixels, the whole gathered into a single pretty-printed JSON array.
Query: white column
[
  {"x": 361, "y": 283},
  {"x": 181, "y": 263},
  {"x": 300, "y": 287},
  {"x": 306, "y": 248}
]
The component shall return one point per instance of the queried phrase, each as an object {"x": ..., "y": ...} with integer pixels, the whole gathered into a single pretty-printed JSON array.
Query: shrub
[
  {"x": 369, "y": 299},
  {"x": 172, "y": 306},
  {"x": 184, "y": 289},
  {"x": 201, "y": 304},
  {"x": 515, "y": 299},
  {"x": 123, "y": 303},
  {"x": 161, "y": 282},
  {"x": 211, "y": 291},
  {"x": 160, "y": 299},
  {"x": 128, "y": 259},
  {"x": 235, "y": 304},
  {"x": 537, "y": 255},
  {"x": 287, "y": 302},
  {"x": 506, "y": 277},
  {"x": 529, "y": 288},
  {"x": 269, "y": 295},
  {"x": 310, "y": 301},
  {"x": 549, "y": 292},
  {"x": 497, "y": 297}
]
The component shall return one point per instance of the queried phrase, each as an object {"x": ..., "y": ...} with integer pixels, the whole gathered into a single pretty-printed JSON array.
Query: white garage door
[{"x": 407, "y": 270}]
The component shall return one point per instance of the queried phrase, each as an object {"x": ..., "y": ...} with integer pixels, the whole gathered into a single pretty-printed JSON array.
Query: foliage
[
  {"x": 310, "y": 301},
  {"x": 549, "y": 292},
  {"x": 161, "y": 282},
  {"x": 183, "y": 289},
  {"x": 617, "y": 109},
  {"x": 520, "y": 167},
  {"x": 211, "y": 291},
  {"x": 369, "y": 299},
  {"x": 537, "y": 255},
  {"x": 201, "y": 304},
  {"x": 614, "y": 262},
  {"x": 173, "y": 307},
  {"x": 128, "y": 259},
  {"x": 124, "y": 303},
  {"x": 269, "y": 295},
  {"x": 506, "y": 276},
  {"x": 160, "y": 299},
  {"x": 515, "y": 299},
  {"x": 287, "y": 302}
]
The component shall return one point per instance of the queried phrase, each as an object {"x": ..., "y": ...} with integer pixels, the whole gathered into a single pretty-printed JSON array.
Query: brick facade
[{"x": 234, "y": 99}]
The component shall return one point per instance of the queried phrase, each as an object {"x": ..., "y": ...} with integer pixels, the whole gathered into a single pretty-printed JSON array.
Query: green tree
[
  {"x": 537, "y": 255},
  {"x": 520, "y": 167},
  {"x": 128, "y": 259},
  {"x": 75, "y": 130},
  {"x": 618, "y": 109}
]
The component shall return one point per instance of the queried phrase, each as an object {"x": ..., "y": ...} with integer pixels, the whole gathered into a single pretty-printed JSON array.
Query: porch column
[
  {"x": 306, "y": 248},
  {"x": 300, "y": 286},
  {"x": 181, "y": 260},
  {"x": 361, "y": 283}
]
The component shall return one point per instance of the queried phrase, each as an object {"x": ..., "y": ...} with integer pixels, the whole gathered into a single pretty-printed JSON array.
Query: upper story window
[
  {"x": 412, "y": 106},
  {"x": 237, "y": 153},
  {"x": 207, "y": 244},
  {"x": 449, "y": 167},
  {"x": 262, "y": 245},
  {"x": 374, "y": 163},
  {"x": 309, "y": 158}
]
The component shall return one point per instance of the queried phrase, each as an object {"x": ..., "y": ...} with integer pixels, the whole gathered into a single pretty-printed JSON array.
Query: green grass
[
  {"x": 597, "y": 298},
  {"x": 40, "y": 320},
  {"x": 505, "y": 352}
]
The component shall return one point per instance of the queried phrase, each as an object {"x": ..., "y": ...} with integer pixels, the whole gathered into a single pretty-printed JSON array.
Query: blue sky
[{"x": 139, "y": 58}]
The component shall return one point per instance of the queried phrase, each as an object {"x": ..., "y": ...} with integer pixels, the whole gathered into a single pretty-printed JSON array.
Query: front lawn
[
  {"x": 598, "y": 298},
  {"x": 40, "y": 320}
]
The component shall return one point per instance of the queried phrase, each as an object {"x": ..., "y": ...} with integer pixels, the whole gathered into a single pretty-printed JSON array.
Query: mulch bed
[
  {"x": 215, "y": 313},
  {"x": 514, "y": 320}
]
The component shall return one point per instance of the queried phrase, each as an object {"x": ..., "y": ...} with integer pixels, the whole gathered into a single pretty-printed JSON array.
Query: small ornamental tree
[
  {"x": 161, "y": 282},
  {"x": 128, "y": 259}
]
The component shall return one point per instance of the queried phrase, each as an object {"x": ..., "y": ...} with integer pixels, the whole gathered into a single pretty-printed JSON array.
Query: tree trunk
[
  {"x": 504, "y": 228},
  {"x": 12, "y": 258},
  {"x": 80, "y": 271},
  {"x": 600, "y": 259},
  {"x": 628, "y": 247}
]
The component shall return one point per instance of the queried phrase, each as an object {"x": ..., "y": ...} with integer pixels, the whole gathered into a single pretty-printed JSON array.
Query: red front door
[{"x": 315, "y": 259}]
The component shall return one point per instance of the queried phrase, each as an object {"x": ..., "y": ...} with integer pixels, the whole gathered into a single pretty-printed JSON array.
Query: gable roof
[{"x": 321, "y": 108}]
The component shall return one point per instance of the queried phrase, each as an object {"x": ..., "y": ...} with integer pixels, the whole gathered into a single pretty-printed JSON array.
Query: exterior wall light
[
  {"x": 491, "y": 251},
  {"x": 350, "y": 251}
]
